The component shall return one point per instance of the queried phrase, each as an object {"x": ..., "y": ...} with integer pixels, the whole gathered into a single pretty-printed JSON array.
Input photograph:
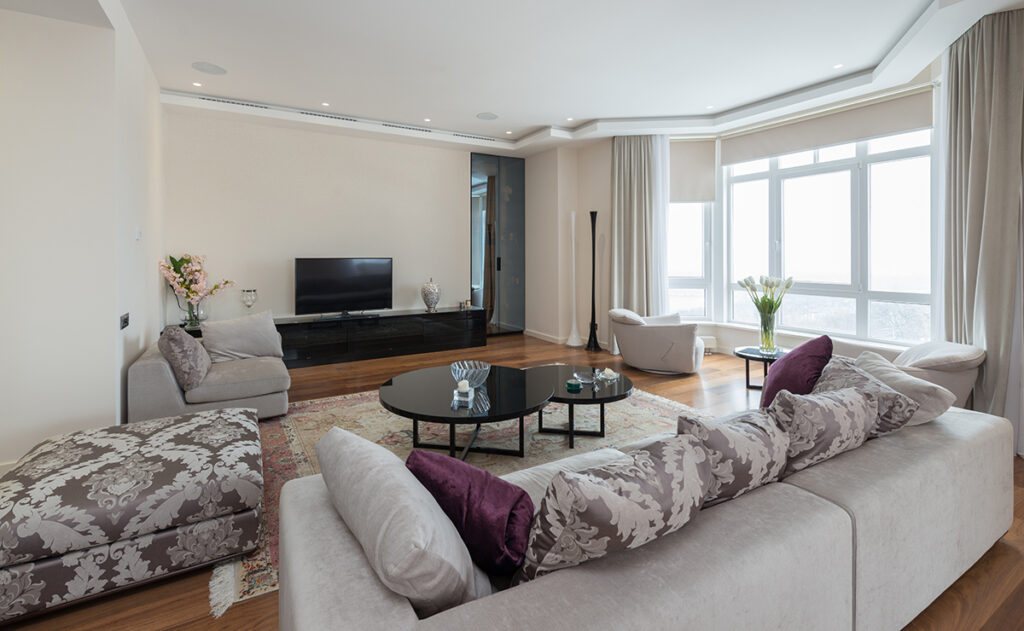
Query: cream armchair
[{"x": 657, "y": 344}]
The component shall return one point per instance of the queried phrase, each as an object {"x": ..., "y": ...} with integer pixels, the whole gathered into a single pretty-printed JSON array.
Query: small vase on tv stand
[{"x": 431, "y": 294}]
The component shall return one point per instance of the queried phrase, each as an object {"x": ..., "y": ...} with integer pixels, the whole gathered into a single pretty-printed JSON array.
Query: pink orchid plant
[{"x": 190, "y": 282}]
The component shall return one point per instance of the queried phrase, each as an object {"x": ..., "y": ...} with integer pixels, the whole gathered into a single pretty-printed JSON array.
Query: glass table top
[
  {"x": 426, "y": 395},
  {"x": 601, "y": 391}
]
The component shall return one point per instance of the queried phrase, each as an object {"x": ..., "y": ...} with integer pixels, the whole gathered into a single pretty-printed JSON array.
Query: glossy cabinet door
[{"x": 498, "y": 249}]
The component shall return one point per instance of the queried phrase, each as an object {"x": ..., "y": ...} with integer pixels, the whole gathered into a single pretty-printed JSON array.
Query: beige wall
[
  {"x": 594, "y": 193},
  {"x": 543, "y": 269},
  {"x": 58, "y": 371},
  {"x": 79, "y": 115},
  {"x": 252, "y": 196},
  {"x": 138, "y": 236}
]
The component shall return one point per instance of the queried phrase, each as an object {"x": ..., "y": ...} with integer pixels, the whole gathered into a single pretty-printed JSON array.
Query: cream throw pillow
[
  {"x": 249, "y": 336},
  {"x": 933, "y": 399},
  {"x": 409, "y": 542}
]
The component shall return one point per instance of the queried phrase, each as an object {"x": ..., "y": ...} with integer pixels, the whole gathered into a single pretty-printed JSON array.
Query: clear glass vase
[
  {"x": 768, "y": 333},
  {"x": 192, "y": 315}
]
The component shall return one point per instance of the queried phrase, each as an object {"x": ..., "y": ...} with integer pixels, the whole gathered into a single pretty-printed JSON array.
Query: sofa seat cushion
[
  {"x": 241, "y": 378},
  {"x": 926, "y": 503},
  {"x": 108, "y": 484}
]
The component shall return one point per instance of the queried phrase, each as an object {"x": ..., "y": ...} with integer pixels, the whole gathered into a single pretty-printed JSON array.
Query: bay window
[{"x": 851, "y": 223}]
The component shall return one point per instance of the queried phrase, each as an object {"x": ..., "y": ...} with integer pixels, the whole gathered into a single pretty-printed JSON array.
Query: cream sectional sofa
[{"x": 863, "y": 541}]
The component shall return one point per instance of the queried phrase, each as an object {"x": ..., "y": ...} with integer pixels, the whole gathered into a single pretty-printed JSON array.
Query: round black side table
[{"x": 753, "y": 353}]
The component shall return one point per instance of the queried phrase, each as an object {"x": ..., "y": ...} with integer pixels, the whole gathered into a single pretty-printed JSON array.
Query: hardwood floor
[{"x": 989, "y": 596}]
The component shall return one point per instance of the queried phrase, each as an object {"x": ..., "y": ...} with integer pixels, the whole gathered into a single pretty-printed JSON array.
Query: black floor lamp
[{"x": 592, "y": 344}]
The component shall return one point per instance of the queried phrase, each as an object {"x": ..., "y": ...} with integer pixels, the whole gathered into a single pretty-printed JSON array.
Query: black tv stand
[
  {"x": 315, "y": 340},
  {"x": 345, "y": 315}
]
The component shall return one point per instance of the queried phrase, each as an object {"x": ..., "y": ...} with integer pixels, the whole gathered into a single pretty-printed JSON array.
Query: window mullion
[
  {"x": 861, "y": 237},
  {"x": 774, "y": 220}
]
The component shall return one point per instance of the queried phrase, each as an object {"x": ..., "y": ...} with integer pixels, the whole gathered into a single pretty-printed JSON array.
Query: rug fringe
[{"x": 222, "y": 588}]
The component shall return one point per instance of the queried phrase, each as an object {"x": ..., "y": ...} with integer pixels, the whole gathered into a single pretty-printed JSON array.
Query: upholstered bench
[{"x": 98, "y": 510}]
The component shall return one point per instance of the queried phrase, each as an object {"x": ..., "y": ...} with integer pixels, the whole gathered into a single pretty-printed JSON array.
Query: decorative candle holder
[
  {"x": 249, "y": 298},
  {"x": 462, "y": 399}
]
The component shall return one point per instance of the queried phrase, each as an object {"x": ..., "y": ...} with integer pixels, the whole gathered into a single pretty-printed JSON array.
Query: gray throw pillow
[
  {"x": 187, "y": 357},
  {"x": 824, "y": 425},
  {"x": 931, "y": 398},
  {"x": 747, "y": 450},
  {"x": 410, "y": 543},
  {"x": 249, "y": 336},
  {"x": 894, "y": 409},
  {"x": 588, "y": 514}
]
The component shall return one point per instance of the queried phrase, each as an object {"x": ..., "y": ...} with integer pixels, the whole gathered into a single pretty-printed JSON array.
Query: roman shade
[
  {"x": 691, "y": 171},
  {"x": 901, "y": 114}
]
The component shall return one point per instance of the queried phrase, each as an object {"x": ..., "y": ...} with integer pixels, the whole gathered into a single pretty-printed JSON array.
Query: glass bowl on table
[{"x": 472, "y": 370}]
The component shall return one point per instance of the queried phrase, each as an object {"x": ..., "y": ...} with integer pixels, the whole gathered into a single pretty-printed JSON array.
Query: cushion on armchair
[
  {"x": 625, "y": 316},
  {"x": 188, "y": 359},
  {"x": 249, "y": 336}
]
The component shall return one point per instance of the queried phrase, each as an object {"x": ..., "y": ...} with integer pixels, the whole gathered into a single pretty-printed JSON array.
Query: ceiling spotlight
[
  {"x": 426, "y": 120},
  {"x": 569, "y": 119},
  {"x": 197, "y": 84},
  {"x": 509, "y": 132},
  {"x": 208, "y": 68},
  {"x": 487, "y": 116},
  {"x": 837, "y": 66},
  {"x": 325, "y": 104},
  {"x": 710, "y": 107}
]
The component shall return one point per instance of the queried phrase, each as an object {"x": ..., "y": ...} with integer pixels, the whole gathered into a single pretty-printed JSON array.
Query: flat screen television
[{"x": 342, "y": 284}]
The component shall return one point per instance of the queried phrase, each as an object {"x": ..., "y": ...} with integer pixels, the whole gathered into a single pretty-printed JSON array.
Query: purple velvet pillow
[
  {"x": 798, "y": 370},
  {"x": 492, "y": 516}
]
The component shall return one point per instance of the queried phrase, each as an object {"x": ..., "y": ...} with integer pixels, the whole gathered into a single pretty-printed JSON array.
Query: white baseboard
[{"x": 554, "y": 339}]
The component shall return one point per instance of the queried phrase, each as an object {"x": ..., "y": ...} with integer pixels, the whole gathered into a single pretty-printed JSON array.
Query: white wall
[
  {"x": 594, "y": 182},
  {"x": 252, "y": 196},
  {"x": 138, "y": 236},
  {"x": 542, "y": 246},
  {"x": 57, "y": 322},
  {"x": 79, "y": 172}
]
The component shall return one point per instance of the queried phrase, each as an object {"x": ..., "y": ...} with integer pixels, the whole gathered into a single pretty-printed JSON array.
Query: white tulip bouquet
[{"x": 767, "y": 298}]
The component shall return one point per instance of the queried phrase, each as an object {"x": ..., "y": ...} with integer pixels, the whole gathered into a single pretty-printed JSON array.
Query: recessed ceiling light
[
  {"x": 837, "y": 66},
  {"x": 208, "y": 68},
  {"x": 325, "y": 104},
  {"x": 569, "y": 119},
  {"x": 197, "y": 84},
  {"x": 426, "y": 120},
  {"x": 509, "y": 132},
  {"x": 487, "y": 116},
  {"x": 710, "y": 107}
]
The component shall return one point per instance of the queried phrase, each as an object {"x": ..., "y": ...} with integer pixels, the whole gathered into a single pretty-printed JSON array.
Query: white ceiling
[{"x": 533, "y": 62}]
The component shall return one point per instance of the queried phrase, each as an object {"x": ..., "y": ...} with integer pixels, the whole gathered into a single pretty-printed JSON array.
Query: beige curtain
[
  {"x": 639, "y": 206},
  {"x": 985, "y": 135}
]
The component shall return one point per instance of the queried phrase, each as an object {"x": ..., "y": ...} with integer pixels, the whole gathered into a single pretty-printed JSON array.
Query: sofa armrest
[
  {"x": 153, "y": 391},
  {"x": 324, "y": 577}
]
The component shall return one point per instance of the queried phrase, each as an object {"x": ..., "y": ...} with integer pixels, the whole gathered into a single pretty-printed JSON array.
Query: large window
[
  {"x": 851, "y": 223},
  {"x": 688, "y": 258}
]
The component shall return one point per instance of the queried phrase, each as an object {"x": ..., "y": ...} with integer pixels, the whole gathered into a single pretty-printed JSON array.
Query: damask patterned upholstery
[{"x": 90, "y": 511}]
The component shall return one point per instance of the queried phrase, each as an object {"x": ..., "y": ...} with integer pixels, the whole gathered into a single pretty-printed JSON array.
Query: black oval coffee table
[
  {"x": 426, "y": 396},
  {"x": 598, "y": 393}
]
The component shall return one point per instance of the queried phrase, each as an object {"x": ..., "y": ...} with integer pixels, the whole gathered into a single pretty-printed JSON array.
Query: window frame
[
  {"x": 860, "y": 215},
  {"x": 697, "y": 282}
]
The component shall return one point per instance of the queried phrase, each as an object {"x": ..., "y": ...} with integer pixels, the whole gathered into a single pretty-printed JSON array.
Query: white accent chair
[
  {"x": 948, "y": 364},
  {"x": 661, "y": 344}
]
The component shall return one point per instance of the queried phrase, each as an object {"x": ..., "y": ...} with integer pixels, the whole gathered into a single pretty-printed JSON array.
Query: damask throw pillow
[
  {"x": 931, "y": 398},
  {"x": 588, "y": 514},
  {"x": 823, "y": 425},
  {"x": 747, "y": 450},
  {"x": 894, "y": 409},
  {"x": 188, "y": 359}
]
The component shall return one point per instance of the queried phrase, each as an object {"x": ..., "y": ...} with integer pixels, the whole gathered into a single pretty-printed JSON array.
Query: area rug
[{"x": 289, "y": 451}]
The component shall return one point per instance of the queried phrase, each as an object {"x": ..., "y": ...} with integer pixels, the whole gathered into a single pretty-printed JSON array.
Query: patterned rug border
[{"x": 283, "y": 439}]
